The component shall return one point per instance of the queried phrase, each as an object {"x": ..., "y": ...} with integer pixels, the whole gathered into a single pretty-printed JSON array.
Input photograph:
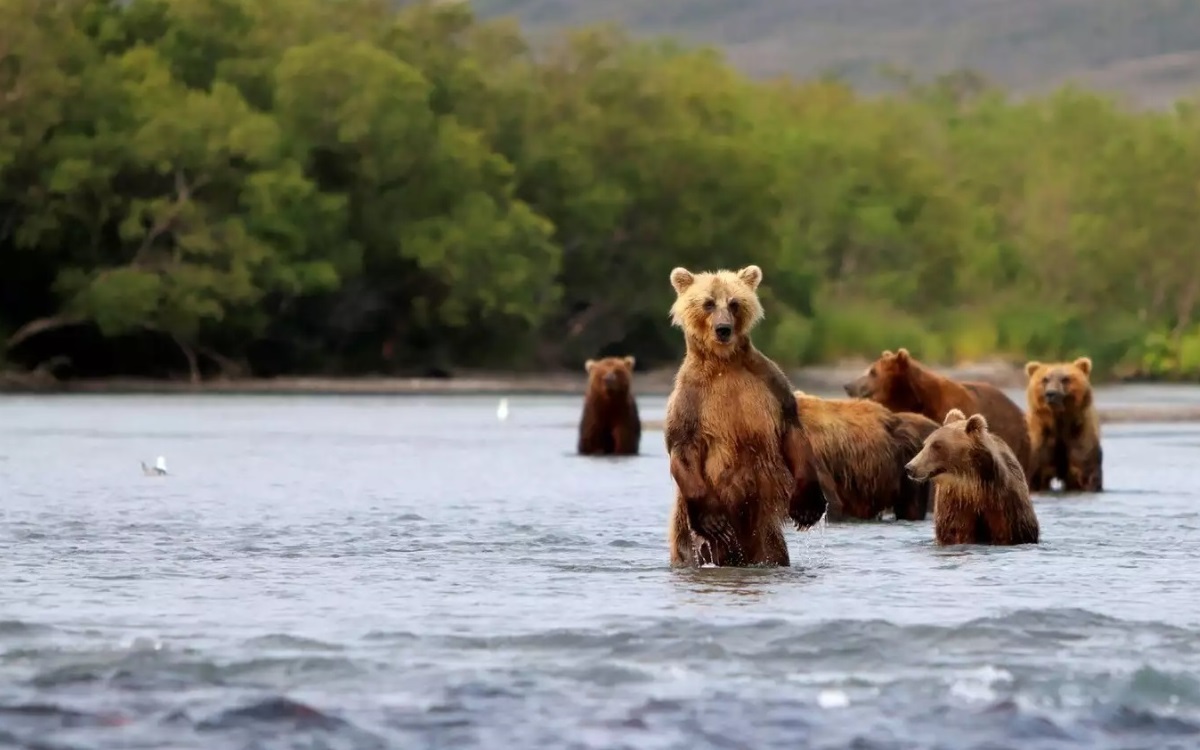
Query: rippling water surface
[{"x": 412, "y": 573}]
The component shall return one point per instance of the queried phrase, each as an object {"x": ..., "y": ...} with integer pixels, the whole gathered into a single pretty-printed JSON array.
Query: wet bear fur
[
  {"x": 610, "y": 425},
  {"x": 901, "y": 383},
  {"x": 1064, "y": 427},
  {"x": 865, "y": 446},
  {"x": 739, "y": 457},
  {"x": 981, "y": 494}
]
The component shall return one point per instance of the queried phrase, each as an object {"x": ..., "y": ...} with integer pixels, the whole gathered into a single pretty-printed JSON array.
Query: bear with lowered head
[
  {"x": 739, "y": 457},
  {"x": 610, "y": 424},
  {"x": 865, "y": 445},
  {"x": 902, "y": 383},
  {"x": 981, "y": 495},
  {"x": 1064, "y": 428}
]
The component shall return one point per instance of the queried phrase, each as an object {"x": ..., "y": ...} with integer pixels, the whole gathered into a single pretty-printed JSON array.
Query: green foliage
[
  {"x": 342, "y": 187},
  {"x": 1173, "y": 356},
  {"x": 119, "y": 300}
]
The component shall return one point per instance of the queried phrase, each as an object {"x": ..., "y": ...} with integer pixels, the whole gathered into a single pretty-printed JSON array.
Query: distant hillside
[{"x": 1149, "y": 49}]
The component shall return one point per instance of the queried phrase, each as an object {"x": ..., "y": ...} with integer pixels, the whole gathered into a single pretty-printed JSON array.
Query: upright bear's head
[
  {"x": 1060, "y": 386},
  {"x": 885, "y": 381},
  {"x": 951, "y": 449},
  {"x": 716, "y": 310},
  {"x": 611, "y": 375}
]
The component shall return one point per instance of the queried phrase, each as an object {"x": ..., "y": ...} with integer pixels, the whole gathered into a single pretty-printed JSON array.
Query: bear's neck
[
  {"x": 927, "y": 391},
  {"x": 1067, "y": 419},
  {"x": 988, "y": 465},
  {"x": 735, "y": 356},
  {"x": 603, "y": 395},
  {"x": 984, "y": 476}
]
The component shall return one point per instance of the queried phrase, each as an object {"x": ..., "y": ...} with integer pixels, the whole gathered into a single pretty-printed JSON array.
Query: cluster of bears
[{"x": 749, "y": 454}]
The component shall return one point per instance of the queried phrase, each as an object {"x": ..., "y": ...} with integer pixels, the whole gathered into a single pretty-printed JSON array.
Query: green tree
[{"x": 303, "y": 186}]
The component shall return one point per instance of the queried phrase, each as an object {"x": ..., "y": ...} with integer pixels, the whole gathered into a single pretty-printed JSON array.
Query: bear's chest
[
  {"x": 1062, "y": 428},
  {"x": 740, "y": 409}
]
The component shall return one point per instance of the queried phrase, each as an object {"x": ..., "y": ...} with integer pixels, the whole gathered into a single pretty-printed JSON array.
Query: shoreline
[
  {"x": 822, "y": 381},
  {"x": 818, "y": 379},
  {"x": 1112, "y": 415}
]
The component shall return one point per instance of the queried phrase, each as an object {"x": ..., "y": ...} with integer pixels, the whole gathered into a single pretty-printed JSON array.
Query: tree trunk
[
  {"x": 41, "y": 325},
  {"x": 226, "y": 367},
  {"x": 193, "y": 364},
  {"x": 1183, "y": 312}
]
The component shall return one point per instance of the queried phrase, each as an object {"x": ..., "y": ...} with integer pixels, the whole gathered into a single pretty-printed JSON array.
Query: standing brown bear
[
  {"x": 982, "y": 496},
  {"x": 901, "y": 383},
  {"x": 739, "y": 457},
  {"x": 865, "y": 445},
  {"x": 610, "y": 423},
  {"x": 1064, "y": 428}
]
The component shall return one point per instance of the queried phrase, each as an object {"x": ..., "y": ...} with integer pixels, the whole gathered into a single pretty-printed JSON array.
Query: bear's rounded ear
[
  {"x": 1031, "y": 367},
  {"x": 587, "y": 366},
  {"x": 1084, "y": 364},
  {"x": 630, "y": 362},
  {"x": 681, "y": 279},
  {"x": 887, "y": 354},
  {"x": 954, "y": 415},
  {"x": 902, "y": 356},
  {"x": 752, "y": 275},
  {"x": 976, "y": 424}
]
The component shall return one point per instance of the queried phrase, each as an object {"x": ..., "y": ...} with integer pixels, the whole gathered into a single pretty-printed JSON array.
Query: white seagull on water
[
  {"x": 158, "y": 470},
  {"x": 502, "y": 410}
]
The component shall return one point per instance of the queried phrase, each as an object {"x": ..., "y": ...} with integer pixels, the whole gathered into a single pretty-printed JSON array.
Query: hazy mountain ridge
[{"x": 1147, "y": 49}]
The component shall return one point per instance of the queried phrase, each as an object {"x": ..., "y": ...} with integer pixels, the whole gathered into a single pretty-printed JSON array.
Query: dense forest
[{"x": 265, "y": 187}]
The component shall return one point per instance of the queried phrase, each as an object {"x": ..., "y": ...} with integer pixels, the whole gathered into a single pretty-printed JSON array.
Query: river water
[{"x": 410, "y": 572}]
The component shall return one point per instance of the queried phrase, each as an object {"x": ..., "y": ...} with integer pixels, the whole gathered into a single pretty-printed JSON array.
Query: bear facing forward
[
  {"x": 610, "y": 424},
  {"x": 741, "y": 463},
  {"x": 981, "y": 492},
  {"x": 1064, "y": 428}
]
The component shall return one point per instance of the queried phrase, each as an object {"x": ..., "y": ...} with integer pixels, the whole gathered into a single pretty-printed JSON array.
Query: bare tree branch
[
  {"x": 41, "y": 325},
  {"x": 168, "y": 222}
]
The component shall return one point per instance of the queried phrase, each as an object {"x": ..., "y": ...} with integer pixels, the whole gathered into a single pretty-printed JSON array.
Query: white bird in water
[
  {"x": 159, "y": 469},
  {"x": 502, "y": 410}
]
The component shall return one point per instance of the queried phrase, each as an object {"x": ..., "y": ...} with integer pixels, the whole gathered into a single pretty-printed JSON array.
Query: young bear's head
[
  {"x": 1061, "y": 386},
  {"x": 885, "y": 381},
  {"x": 610, "y": 375},
  {"x": 950, "y": 449},
  {"x": 716, "y": 310}
]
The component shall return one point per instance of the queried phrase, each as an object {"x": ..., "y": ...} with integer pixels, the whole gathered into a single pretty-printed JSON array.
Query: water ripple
[{"x": 324, "y": 573}]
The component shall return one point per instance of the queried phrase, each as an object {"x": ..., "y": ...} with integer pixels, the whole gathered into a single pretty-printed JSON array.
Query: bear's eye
[
  {"x": 871, "y": 372},
  {"x": 709, "y": 305},
  {"x": 1046, "y": 380},
  {"x": 733, "y": 306}
]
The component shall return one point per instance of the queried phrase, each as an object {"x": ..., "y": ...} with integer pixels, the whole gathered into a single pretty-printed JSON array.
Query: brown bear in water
[
  {"x": 865, "y": 446},
  {"x": 1064, "y": 428},
  {"x": 901, "y": 383},
  {"x": 610, "y": 423},
  {"x": 982, "y": 496},
  {"x": 739, "y": 457}
]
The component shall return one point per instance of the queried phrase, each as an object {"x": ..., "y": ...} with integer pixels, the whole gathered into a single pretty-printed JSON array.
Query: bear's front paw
[
  {"x": 808, "y": 507},
  {"x": 711, "y": 524},
  {"x": 804, "y": 515}
]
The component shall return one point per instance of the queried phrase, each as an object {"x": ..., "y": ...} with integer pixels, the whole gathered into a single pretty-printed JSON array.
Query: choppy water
[{"x": 411, "y": 573}]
